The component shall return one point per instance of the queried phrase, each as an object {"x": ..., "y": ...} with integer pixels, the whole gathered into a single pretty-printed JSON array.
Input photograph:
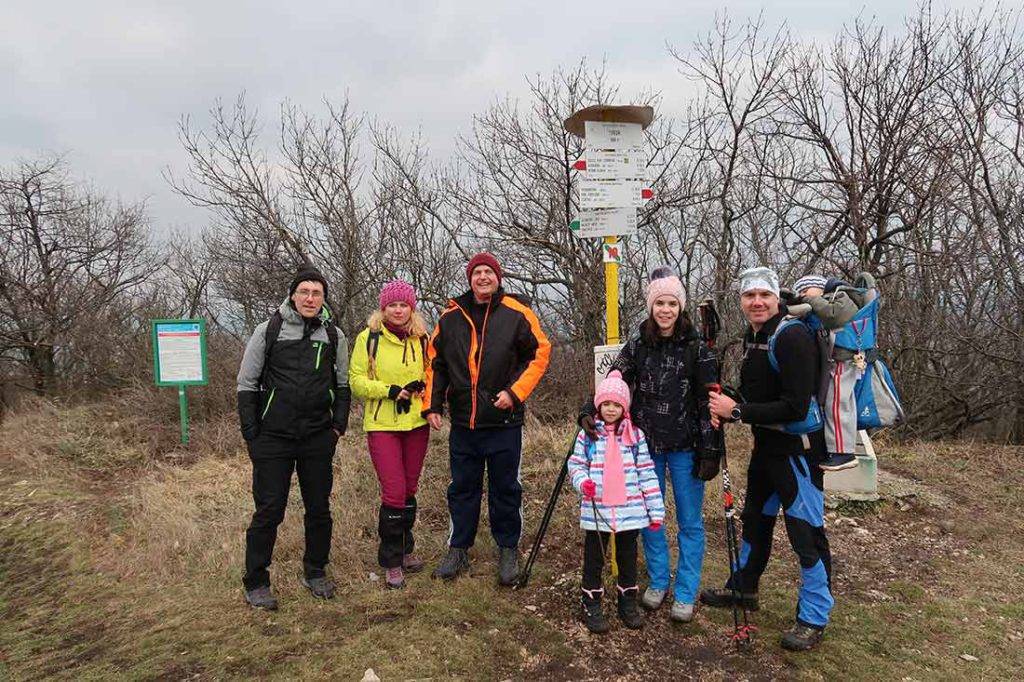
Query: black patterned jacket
[{"x": 668, "y": 384}]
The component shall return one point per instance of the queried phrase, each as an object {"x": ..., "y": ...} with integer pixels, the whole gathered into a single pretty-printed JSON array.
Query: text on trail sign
[
  {"x": 601, "y": 135},
  {"x": 604, "y": 222},
  {"x": 179, "y": 349},
  {"x": 612, "y": 165}
]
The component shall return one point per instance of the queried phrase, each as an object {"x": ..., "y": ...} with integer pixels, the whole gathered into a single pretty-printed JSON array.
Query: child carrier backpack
[
  {"x": 877, "y": 400},
  {"x": 814, "y": 420}
]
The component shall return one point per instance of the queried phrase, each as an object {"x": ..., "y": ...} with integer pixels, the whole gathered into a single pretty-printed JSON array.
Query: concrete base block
[{"x": 861, "y": 482}]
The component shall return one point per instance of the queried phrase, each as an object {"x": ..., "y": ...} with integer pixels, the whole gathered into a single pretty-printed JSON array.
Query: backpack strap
[
  {"x": 372, "y": 342},
  {"x": 269, "y": 339}
]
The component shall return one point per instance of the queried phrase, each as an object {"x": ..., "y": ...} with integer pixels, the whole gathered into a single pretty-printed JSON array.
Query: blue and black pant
[
  {"x": 789, "y": 483},
  {"x": 496, "y": 451}
]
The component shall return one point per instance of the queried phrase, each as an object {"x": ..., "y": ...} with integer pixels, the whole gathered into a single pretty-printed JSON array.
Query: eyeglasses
[{"x": 310, "y": 293}]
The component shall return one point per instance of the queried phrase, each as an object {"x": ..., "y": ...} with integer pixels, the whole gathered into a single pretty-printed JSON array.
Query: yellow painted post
[{"x": 611, "y": 294}]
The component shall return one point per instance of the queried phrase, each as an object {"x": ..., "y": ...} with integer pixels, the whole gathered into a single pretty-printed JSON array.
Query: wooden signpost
[{"x": 611, "y": 188}]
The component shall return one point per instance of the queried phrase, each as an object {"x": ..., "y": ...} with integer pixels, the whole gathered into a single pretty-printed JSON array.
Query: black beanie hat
[{"x": 307, "y": 273}]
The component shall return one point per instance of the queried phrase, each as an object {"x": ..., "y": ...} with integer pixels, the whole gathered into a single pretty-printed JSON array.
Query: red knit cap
[
  {"x": 397, "y": 290},
  {"x": 483, "y": 258}
]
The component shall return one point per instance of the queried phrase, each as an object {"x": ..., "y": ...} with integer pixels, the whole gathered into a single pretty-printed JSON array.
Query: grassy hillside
[{"x": 120, "y": 555}]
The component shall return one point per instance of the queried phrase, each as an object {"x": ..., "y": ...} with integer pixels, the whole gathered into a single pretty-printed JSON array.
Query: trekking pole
[
  {"x": 524, "y": 575},
  {"x": 609, "y": 552},
  {"x": 742, "y": 634}
]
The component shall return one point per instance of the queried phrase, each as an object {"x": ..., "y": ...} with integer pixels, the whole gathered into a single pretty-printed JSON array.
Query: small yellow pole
[{"x": 611, "y": 293}]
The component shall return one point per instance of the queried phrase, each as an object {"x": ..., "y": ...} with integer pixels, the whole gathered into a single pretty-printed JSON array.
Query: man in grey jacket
[{"x": 293, "y": 405}]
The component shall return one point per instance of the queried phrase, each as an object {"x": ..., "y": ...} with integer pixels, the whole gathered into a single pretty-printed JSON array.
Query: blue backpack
[
  {"x": 878, "y": 402},
  {"x": 814, "y": 420}
]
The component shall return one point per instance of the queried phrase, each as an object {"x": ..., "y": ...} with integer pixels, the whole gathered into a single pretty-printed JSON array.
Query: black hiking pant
[
  {"x": 594, "y": 546},
  {"x": 273, "y": 461},
  {"x": 470, "y": 452}
]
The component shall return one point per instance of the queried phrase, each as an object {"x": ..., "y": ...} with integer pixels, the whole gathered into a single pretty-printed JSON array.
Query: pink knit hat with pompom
[
  {"x": 664, "y": 283},
  {"x": 612, "y": 388}
]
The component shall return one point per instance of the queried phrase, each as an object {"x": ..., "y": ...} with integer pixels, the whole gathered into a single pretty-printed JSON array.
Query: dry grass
[{"x": 121, "y": 554}]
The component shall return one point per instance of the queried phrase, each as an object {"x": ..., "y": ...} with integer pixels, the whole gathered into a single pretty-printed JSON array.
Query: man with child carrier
[{"x": 779, "y": 381}]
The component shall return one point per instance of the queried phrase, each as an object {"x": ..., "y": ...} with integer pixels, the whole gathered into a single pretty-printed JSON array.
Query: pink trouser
[{"x": 398, "y": 458}]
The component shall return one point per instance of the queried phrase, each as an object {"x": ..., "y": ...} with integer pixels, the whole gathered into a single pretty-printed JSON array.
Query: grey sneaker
[
  {"x": 681, "y": 613},
  {"x": 508, "y": 565},
  {"x": 321, "y": 588},
  {"x": 652, "y": 598},
  {"x": 456, "y": 561},
  {"x": 261, "y": 598}
]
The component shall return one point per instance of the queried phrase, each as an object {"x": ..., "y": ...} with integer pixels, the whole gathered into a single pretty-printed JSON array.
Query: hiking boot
[
  {"x": 321, "y": 588},
  {"x": 629, "y": 609},
  {"x": 412, "y": 563},
  {"x": 652, "y": 598},
  {"x": 839, "y": 462},
  {"x": 456, "y": 561},
  {"x": 802, "y": 637},
  {"x": 261, "y": 598},
  {"x": 722, "y": 598},
  {"x": 508, "y": 565},
  {"x": 394, "y": 578},
  {"x": 681, "y": 613},
  {"x": 591, "y": 612}
]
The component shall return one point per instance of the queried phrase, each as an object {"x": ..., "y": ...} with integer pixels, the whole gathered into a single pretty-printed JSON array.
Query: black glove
[
  {"x": 415, "y": 386},
  {"x": 393, "y": 392},
  {"x": 705, "y": 469},
  {"x": 589, "y": 427},
  {"x": 403, "y": 405},
  {"x": 249, "y": 414},
  {"x": 733, "y": 393},
  {"x": 342, "y": 404}
]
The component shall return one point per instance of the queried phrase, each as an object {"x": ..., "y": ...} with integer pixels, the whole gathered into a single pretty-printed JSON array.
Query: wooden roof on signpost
[{"x": 608, "y": 113}]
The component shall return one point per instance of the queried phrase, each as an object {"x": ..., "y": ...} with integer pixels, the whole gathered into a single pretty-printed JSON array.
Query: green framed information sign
[{"x": 179, "y": 359}]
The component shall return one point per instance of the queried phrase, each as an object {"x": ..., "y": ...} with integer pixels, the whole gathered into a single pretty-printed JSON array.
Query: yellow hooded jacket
[{"x": 397, "y": 362}]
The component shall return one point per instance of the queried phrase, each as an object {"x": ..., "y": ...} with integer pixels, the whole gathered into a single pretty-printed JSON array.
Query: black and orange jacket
[{"x": 467, "y": 367}]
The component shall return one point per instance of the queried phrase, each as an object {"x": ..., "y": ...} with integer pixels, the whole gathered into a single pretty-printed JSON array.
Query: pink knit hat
[
  {"x": 664, "y": 283},
  {"x": 397, "y": 290},
  {"x": 612, "y": 388}
]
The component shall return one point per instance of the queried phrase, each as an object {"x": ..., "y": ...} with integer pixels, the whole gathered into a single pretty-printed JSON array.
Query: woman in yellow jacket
[{"x": 386, "y": 371}]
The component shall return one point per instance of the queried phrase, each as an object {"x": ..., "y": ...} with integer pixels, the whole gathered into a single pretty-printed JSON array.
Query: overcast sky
[{"x": 106, "y": 82}]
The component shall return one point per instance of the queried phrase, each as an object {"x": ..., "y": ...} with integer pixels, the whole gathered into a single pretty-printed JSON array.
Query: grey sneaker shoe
[
  {"x": 321, "y": 588},
  {"x": 456, "y": 561},
  {"x": 508, "y": 565},
  {"x": 652, "y": 598},
  {"x": 261, "y": 598},
  {"x": 681, "y": 613}
]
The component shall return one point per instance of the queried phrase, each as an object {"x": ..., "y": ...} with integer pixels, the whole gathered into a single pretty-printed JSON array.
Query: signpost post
[
  {"x": 179, "y": 359},
  {"x": 612, "y": 187}
]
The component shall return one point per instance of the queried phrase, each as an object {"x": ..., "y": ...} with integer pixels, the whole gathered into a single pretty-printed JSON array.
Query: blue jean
[{"x": 688, "y": 494}]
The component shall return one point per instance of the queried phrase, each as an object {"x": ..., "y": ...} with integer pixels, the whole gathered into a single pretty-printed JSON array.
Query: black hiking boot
[
  {"x": 261, "y": 598},
  {"x": 508, "y": 565},
  {"x": 591, "y": 612},
  {"x": 722, "y": 598},
  {"x": 629, "y": 608},
  {"x": 321, "y": 588},
  {"x": 802, "y": 637},
  {"x": 456, "y": 561}
]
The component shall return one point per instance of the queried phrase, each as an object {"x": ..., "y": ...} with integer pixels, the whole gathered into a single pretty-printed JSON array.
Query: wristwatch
[{"x": 735, "y": 414}]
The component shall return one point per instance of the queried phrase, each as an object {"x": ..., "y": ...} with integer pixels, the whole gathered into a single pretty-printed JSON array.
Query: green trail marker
[{"x": 179, "y": 359}]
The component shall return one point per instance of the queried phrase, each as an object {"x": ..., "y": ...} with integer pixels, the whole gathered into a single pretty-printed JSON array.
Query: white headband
[{"x": 759, "y": 278}]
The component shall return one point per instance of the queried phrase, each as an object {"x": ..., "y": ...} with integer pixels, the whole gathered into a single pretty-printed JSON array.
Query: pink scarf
[{"x": 614, "y": 492}]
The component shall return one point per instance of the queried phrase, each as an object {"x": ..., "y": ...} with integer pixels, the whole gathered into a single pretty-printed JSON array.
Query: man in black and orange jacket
[{"x": 486, "y": 355}]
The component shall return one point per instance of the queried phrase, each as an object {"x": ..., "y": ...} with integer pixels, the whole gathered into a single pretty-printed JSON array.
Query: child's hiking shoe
[
  {"x": 629, "y": 608},
  {"x": 802, "y": 637},
  {"x": 261, "y": 598},
  {"x": 722, "y": 598},
  {"x": 652, "y": 598},
  {"x": 412, "y": 563},
  {"x": 321, "y": 588},
  {"x": 681, "y": 613},
  {"x": 456, "y": 561},
  {"x": 394, "y": 578},
  {"x": 839, "y": 462},
  {"x": 591, "y": 611}
]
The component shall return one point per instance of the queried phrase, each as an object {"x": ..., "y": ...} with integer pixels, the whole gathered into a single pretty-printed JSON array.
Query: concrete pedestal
[{"x": 859, "y": 483}]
